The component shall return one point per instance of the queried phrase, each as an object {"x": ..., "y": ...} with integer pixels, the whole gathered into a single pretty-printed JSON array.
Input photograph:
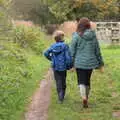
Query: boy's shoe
[
  {"x": 85, "y": 103},
  {"x": 60, "y": 101},
  {"x": 61, "y": 96}
]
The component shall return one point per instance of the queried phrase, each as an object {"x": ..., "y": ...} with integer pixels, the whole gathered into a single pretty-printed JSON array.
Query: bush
[
  {"x": 21, "y": 68},
  {"x": 20, "y": 72},
  {"x": 30, "y": 37},
  {"x": 50, "y": 28}
]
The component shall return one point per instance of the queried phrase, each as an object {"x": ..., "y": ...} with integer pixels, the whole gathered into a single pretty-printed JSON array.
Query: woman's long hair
[{"x": 84, "y": 24}]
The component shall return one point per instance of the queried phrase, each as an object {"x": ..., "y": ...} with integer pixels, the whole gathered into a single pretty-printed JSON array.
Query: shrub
[{"x": 30, "y": 37}]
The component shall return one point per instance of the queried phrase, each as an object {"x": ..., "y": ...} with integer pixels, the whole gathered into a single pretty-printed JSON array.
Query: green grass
[
  {"x": 20, "y": 73},
  {"x": 104, "y": 98},
  {"x": 18, "y": 82},
  {"x": 22, "y": 66}
]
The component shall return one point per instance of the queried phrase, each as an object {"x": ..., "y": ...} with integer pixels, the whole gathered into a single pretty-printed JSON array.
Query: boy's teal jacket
[{"x": 85, "y": 50}]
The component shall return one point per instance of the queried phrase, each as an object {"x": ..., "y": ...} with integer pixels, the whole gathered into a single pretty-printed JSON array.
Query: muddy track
[{"x": 38, "y": 109}]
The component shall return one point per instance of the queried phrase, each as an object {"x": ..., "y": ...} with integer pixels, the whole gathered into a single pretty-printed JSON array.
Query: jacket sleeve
[
  {"x": 68, "y": 50},
  {"x": 73, "y": 46},
  {"x": 68, "y": 58},
  {"x": 98, "y": 53},
  {"x": 48, "y": 54}
]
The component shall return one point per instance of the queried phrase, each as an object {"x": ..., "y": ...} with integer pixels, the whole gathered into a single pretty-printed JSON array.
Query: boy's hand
[{"x": 72, "y": 70}]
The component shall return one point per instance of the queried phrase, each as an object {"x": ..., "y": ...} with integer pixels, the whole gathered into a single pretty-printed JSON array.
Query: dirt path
[{"x": 38, "y": 108}]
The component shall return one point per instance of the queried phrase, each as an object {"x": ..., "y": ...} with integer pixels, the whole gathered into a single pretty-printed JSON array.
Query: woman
[{"x": 86, "y": 56}]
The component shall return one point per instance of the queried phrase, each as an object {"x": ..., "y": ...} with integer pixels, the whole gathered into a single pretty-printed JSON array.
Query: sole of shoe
[{"x": 85, "y": 103}]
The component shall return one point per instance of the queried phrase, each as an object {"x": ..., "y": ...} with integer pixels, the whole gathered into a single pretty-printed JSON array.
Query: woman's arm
[
  {"x": 98, "y": 53},
  {"x": 73, "y": 46}
]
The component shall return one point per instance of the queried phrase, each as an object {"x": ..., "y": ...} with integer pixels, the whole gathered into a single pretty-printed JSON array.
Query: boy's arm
[
  {"x": 68, "y": 58},
  {"x": 48, "y": 54}
]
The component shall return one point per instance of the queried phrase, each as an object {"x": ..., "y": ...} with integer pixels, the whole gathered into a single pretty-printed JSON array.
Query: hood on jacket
[
  {"x": 58, "y": 47},
  {"x": 89, "y": 35}
]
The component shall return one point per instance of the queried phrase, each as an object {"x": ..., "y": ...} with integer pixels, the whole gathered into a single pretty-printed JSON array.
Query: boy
[{"x": 60, "y": 57}]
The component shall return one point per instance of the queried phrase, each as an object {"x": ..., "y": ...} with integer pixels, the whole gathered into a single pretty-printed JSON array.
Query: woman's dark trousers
[
  {"x": 83, "y": 77},
  {"x": 60, "y": 77}
]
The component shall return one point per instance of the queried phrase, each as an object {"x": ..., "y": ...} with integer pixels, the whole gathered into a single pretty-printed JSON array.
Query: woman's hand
[{"x": 102, "y": 69}]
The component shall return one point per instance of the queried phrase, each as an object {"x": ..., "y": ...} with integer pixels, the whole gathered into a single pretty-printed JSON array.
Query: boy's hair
[{"x": 57, "y": 35}]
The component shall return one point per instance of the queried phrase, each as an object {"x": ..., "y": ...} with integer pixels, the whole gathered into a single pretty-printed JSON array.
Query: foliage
[
  {"x": 5, "y": 3},
  {"x": 41, "y": 15},
  {"x": 56, "y": 11},
  {"x": 94, "y": 9},
  {"x": 5, "y": 23},
  {"x": 20, "y": 72},
  {"x": 30, "y": 37},
  {"x": 34, "y": 10},
  {"x": 61, "y": 9},
  {"x": 21, "y": 69}
]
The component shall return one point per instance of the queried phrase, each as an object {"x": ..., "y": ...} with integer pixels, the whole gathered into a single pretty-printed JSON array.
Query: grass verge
[
  {"x": 20, "y": 74},
  {"x": 104, "y": 98}
]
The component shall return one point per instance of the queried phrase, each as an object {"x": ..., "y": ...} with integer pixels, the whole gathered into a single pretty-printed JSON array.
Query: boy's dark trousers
[{"x": 60, "y": 77}]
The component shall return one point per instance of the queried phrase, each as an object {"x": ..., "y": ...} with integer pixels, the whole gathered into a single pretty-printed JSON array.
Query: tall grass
[
  {"x": 22, "y": 66},
  {"x": 30, "y": 37}
]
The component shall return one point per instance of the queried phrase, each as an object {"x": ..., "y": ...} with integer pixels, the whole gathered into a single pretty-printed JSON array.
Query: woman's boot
[{"x": 83, "y": 91}]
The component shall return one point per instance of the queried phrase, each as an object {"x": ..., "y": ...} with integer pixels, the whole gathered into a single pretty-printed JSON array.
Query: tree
[
  {"x": 93, "y": 9},
  {"x": 107, "y": 9},
  {"x": 61, "y": 9},
  {"x": 56, "y": 11}
]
